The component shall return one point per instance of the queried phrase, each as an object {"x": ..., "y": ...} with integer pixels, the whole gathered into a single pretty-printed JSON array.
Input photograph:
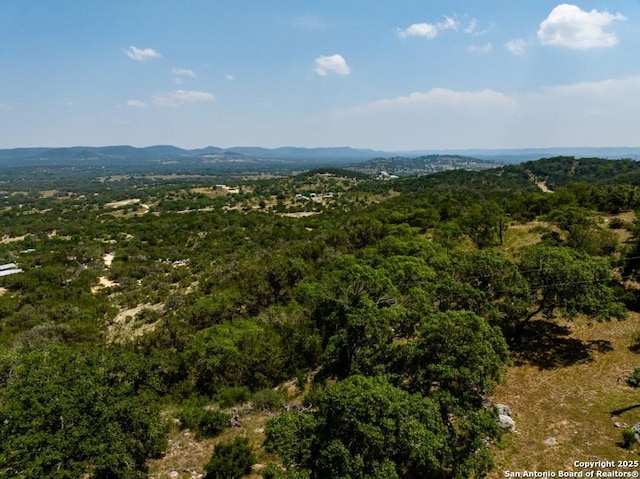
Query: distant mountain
[
  {"x": 165, "y": 157},
  {"x": 245, "y": 160}
]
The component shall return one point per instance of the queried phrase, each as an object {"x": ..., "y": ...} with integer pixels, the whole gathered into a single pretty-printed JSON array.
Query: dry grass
[
  {"x": 518, "y": 235},
  {"x": 126, "y": 326},
  {"x": 187, "y": 457},
  {"x": 577, "y": 402},
  {"x": 568, "y": 384},
  {"x": 622, "y": 234}
]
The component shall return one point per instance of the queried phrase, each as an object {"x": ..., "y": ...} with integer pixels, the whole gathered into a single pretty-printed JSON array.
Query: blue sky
[{"x": 384, "y": 74}]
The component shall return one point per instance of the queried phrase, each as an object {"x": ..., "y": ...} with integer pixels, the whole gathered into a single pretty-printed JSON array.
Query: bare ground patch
[
  {"x": 12, "y": 239},
  {"x": 119, "y": 204},
  {"x": 126, "y": 326}
]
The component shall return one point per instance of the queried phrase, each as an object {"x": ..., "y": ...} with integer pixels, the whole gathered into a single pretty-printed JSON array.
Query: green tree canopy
[
  {"x": 364, "y": 428},
  {"x": 570, "y": 282},
  {"x": 64, "y": 415},
  {"x": 457, "y": 353}
]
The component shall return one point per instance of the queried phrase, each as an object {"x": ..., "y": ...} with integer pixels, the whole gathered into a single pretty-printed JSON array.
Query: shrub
[
  {"x": 635, "y": 342},
  {"x": 229, "y": 396},
  {"x": 272, "y": 471},
  {"x": 617, "y": 223},
  {"x": 634, "y": 378},
  {"x": 230, "y": 460},
  {"x": 629, "y": 437},
  {"x": 212, "y": 422},
  {"x": 204, "y": 422},
  {"x": 268, "y": 400}
]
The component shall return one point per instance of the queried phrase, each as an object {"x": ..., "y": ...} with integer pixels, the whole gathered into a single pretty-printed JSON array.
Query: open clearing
[{"x": 568, "y": 383}]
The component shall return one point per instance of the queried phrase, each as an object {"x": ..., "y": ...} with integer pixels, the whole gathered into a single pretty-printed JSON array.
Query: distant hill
[
  {"x": 519, "y": 155},
  {"x": 553, "y": 172},
  {"x": 335, "y": 154},
  {"x": 421, "y": 165},
  {"x": 164, "y": 157},
  {"x": 562, "y": 170},
  {"x": 243, "y": 160}
]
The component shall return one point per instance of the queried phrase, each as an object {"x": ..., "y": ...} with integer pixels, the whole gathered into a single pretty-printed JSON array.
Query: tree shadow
[
  {"x": 547, "y": 345},
  {"x": 617, "y": 412}
]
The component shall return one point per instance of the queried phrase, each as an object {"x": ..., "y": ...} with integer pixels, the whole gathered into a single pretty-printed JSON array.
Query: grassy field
[{"x": 570, "y": 387}]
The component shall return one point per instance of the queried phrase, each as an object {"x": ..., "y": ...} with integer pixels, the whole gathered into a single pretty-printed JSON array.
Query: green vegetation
[
  {"x": 64, "y": 415},
  {"x": 230, "y": 460},
  {"x": 369, "y": 323}
]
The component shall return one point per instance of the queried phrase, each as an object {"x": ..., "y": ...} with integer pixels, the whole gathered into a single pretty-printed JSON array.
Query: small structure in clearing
[{"x": 9, "y": 268}]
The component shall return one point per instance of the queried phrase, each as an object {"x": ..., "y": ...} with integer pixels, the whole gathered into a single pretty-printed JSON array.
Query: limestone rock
[
  {"x": 506, "y": 423},
  {"x": 504, "y": 409}
]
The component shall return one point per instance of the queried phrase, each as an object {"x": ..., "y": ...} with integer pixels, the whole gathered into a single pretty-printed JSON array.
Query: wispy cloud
[
  {"x": 471, "y": 28},
  {"x": 310, "y": 22},
  {"x": 142, "y": 54},
  {"x": 484, "y": 48},
  {"x": 183, "y": 72},
  {"x": 136, "y": 104},
  {"x": 517, "y": 46},
  {"x": 332, "y": 64},
  {"x": 4, "y": 107},
  {"x": 444, "y": 96},
  {"x": 569, "y": 26},
  {"x": 182, "y": 97},
  {"x": 579, "y": 114},
  {"x": 230, "y": 77},
  {"x": 428, "y": 119},
  {"x": 429, "y": 30}
]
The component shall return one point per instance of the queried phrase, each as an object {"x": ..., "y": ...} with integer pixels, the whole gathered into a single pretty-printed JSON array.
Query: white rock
[{"x": 506, "y": 423}]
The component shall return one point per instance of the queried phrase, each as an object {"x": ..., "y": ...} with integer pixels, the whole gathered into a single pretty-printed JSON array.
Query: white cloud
[
  {"x": 569, "y": 26},
  {"x": 486, "y": 48},
  {"x": 182, "y": 97},
  {"x": 436, "y": 118},
  {"x": 621, "y": 90},
  {"x": 136, "y": 104},
  {"x": 471, "y": 27},
  {"x": 142, "y": 54},
  {"x": 599, "y": 113},
  {"x": 230, "y": 77},
  {"x": 429, "y": 30},
  {"x": 448, "y": 24},
  {"x": 183, "y": 72},
  {"x": 332, "y": 64},
  {"x": 517, "y": 46},
  {"x": 444, "y": 96}
]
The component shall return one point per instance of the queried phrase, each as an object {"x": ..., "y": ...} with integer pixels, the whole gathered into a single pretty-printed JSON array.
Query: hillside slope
[{"x": 577, "y": 402}]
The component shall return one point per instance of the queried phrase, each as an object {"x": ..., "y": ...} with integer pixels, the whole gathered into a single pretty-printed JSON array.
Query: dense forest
[{"x": 318, "y": 325}]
